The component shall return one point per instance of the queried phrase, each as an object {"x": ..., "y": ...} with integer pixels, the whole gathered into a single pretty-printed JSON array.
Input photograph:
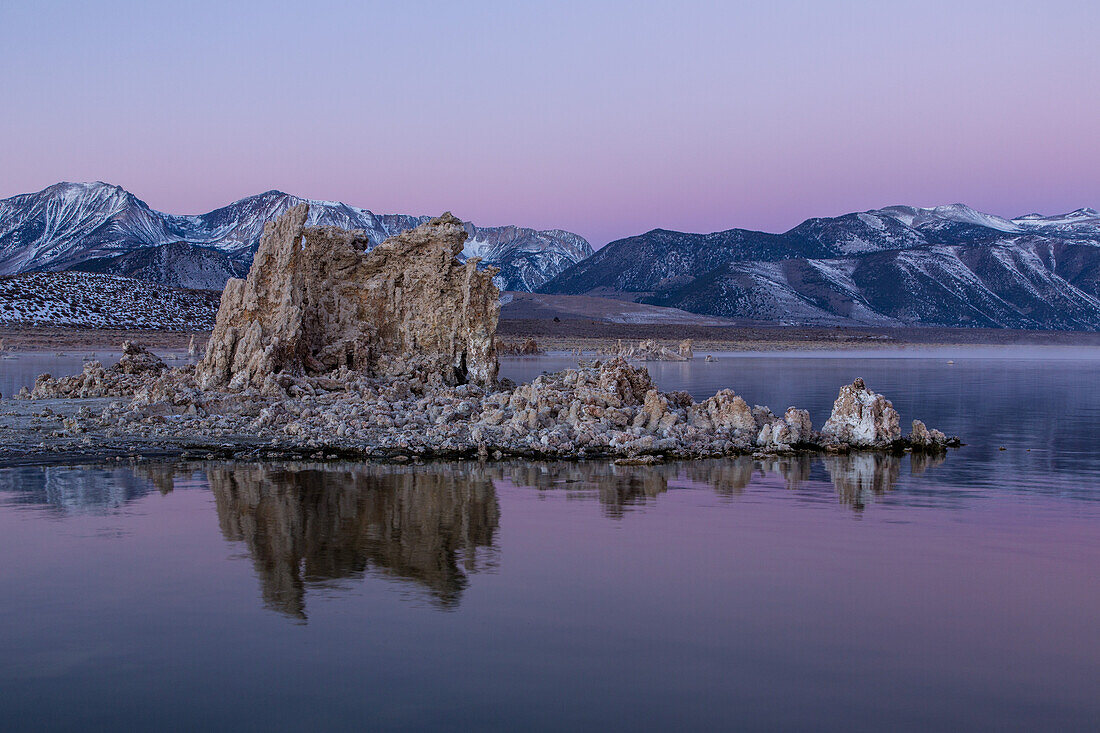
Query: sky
[{"x": 604, "y": 118}]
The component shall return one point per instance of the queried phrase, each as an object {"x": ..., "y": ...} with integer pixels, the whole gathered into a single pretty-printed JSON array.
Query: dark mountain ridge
[{"x": 947, "y": 266}]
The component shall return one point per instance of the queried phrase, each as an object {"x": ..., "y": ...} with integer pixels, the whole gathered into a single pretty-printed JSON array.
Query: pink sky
[{"x": 607, "y": 119}]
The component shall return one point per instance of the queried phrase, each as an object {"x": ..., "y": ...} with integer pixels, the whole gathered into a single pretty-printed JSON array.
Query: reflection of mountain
[
  {"x": 307, "y": 526},
  {"x": 74, "y": 490}
]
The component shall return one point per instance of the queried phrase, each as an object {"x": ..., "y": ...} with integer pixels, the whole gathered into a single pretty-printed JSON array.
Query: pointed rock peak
[
  {"x": 447, "y": 231},
  {"x": 95, "y": 193},
  {"x": 862, "y": 418},
  {"x": 85, "y": 187},
  {"x": 446, "y": 218}
]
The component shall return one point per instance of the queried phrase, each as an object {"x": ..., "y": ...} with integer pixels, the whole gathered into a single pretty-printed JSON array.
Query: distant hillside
[
  {"x": 83, "y": 299},
  {"x": 948, "y": 266},
  {"x": 179, "y": 265}
]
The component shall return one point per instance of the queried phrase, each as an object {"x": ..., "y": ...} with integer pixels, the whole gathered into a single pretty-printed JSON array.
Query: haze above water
[{"x": 849, "y": 593}]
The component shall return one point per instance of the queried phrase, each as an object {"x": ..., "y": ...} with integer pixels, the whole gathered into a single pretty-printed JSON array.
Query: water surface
[{"x": 858, "y": 592}]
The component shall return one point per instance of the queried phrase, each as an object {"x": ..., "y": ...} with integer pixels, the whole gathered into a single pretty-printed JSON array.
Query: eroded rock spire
[{"x": 315, "y": 301}]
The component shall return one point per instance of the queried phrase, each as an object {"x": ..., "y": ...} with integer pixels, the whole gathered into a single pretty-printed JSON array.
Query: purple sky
[{"x": 605, "y": 118}]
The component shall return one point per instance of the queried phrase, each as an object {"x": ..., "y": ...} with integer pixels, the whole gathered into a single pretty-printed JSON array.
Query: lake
[{"x": 846, "y": 593}]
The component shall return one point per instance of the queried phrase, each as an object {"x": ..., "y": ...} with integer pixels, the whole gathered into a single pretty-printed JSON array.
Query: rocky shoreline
[{"x": 605, "y": 410}]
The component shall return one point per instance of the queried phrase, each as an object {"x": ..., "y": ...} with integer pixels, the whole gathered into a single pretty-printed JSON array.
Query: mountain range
[
  {"x": 901, "y": 265},
  {"x": 102, "y": 228}
]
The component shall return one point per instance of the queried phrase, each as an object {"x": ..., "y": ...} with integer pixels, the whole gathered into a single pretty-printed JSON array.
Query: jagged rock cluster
[
  {"x": 529, "y": 347},
  {"x": 314, "y": 301},
  {"x": 604, "y": 409},
  {"x": 132, "y": 372},
  {"x": 615, "y": 408},
  {"x": 651, "y": 350},
  {"x": 863, "y": 418}
]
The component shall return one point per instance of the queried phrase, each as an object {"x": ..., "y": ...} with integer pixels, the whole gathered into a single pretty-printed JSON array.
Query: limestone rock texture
[
  {"x": 728, "y": 411},
  {"x": 924, "y": 439},
  {"x": 652, "y": 350},
  {"x": 782, "y": 433},
  {"x": 862, "y": 418},
  {"x": 136, "y": 359},
  {"x": 315, "y": 301}
]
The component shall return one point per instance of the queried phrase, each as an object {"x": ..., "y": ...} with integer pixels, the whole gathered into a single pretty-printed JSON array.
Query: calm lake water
[{"x": 844, "y": 593}]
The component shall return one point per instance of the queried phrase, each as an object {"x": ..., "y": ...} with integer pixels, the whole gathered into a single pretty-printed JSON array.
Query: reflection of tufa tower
[
  {"x": 307, "y": 526},
  {"x": 860, "y": 477}
]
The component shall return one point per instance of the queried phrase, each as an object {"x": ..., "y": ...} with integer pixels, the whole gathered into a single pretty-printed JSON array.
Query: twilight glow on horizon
[{"x": 604, "y": 118}]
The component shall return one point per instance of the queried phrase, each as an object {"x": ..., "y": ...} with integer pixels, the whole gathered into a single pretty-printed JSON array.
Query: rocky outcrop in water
[
  {"x": 136, "y": 368},
  {"x": 601, "y": 410},
  {"x": 315, "y": 302},
  {"x": 862, "y": 418},
  {"x": 924, "y": 439},
  {"x": 652, "y": 350},
  {"x": 783, "y": 434},
  {"x": 528, "y": 347}
]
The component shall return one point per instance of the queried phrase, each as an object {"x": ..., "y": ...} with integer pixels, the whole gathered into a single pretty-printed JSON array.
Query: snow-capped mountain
[
  {"x": 69, "y": 224},
  {"x": 901, "y": 265}
]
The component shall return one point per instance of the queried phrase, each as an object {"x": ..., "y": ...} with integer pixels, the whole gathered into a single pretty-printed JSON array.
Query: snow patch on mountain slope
[
  {"x": 84, "y": 299},
  {"x": 917, "y": 218},
  {"x": 475, "y": 248},
  {"x": 875, "y": 222}
]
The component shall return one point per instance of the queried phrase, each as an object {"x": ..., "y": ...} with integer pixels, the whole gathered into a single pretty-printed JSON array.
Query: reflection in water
[
  {"x": 860, "y": 477},
  {"x": 432, "y": 524},
  {"x": 307, "y": 526},
  {"x": 794, "y": 469},
  {"x": 856, "y": 478},
  {"x": 616, "y": 487},
  {"x": 69, "y": 490},
  {"x": 921, "y": 462}
]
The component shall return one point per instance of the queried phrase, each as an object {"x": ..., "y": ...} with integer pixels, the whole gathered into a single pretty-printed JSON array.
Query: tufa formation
[
  {"x": 865, "y": 419},
  {"x": 315, "y": 301}
]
